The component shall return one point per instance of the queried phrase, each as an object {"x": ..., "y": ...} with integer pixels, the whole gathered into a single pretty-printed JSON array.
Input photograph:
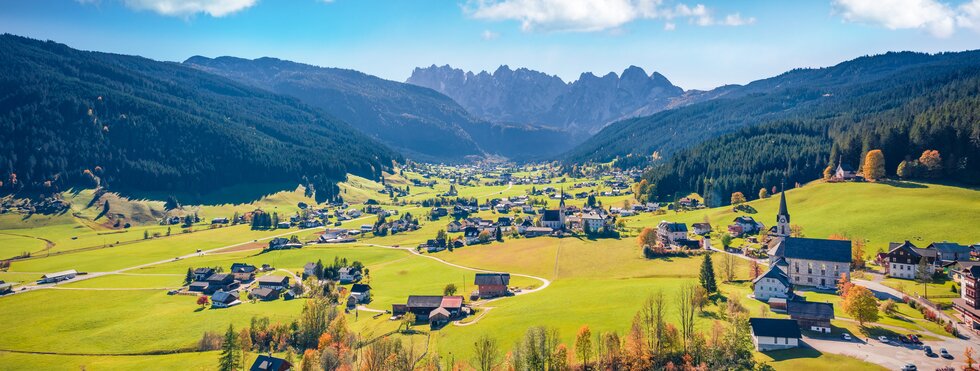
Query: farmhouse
[
  {"x": 309, "y": 269},
  {"x": 59, "y": 276},
  {"x": 360, "y": 292},
  {"x": 772, "y": 284},
  {"x": 274, "y": 282},
  {"x": 744, "y": 225},
  {"x": 491, "y": 285},
  {"x": 349, "y": 274},
  {"x": 265, "y": 293},
  {"x": 270, "y": 363},
  {"x": 6, "y": 288},
  {"x": 537, "y": 231},
  {"x": 424, "y": 305},
  {"x": 224, "y": 299},
  {"x": 701, "y": 228},
  {"x": 220, "y": 282},
  {"x": 198, "y": 286},
  {"x": 951, "y": 251},
  {"x": 774, "y": 334},
  {"x": 454, "y": 226},
  {"x": 812, "y": 315},
  {"x": 201, "y": 274},
  {"x": 903, "y": 260},
  {"x": 243, "y": 272}
]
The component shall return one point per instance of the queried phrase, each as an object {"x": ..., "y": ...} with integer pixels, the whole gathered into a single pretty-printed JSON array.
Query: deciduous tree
[
  {"x": 487, "y": 353},
  {"x": 874, "y": 165},
  {"x": 738, "y": 198},
  {"x": 932, "y": 164},
  {"x": 449, "y": 290},
  {"x": 583, "y": 346},
  {"x": 860, "y": 304}
]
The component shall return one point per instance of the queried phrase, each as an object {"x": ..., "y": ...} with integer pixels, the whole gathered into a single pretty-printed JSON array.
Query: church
[
  {"x": 807, "y": 261},
  {"x": 555, "y": 219}
]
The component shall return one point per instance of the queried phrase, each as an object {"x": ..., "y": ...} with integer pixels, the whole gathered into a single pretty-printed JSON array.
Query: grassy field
[
  {"x": 877, "y": 212},
  {"x": 601, "y": 283}
]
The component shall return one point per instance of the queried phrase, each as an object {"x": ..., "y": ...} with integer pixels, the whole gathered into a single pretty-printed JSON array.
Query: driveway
[{"x": 892, "y": 356}]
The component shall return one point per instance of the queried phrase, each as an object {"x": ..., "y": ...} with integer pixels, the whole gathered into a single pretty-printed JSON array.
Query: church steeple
[
  {"x": 782, "y": 218},
  {"x": 561, "y": 204}
]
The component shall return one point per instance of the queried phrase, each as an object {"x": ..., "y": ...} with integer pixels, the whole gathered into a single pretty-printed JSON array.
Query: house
[
  {"x": 593, "y": 223},
  {"x": 812, "y": 315},
  {"x": 774, "y": 334},
  {"x": 309, "y": 269},
  {"x": 349, "y": 274},
  {"x": 744, "y": 225},
  {"x": 671, "y": 234},
  {"x": 265, "y": 293},
  {"x": 220, "y": 282},
  {"x": 843, "y": 172},
  {"x": 224, "y": 299},
  {"x": 434, "y": 245},
  {"x": 688, "y": 202},
  {"x": 772, "y": 284},
  {"x": 360, "y": 292},
  {"x": 274, "y": 282},
  {"x": 505, "y": 221},
  {"x": 903, "y": 260},
  {"x": 521, "y": 228},
  {"x": 957, "y": 270},
  {"x": 701, "y": 228},
  {"x": 6, "y": 288},
  {"x": 201, "y": 274},
  {"x": 811, "y": 261},
  {"x": 438, "y": 212},
  {"x": 471, "y": 234},
  {"x": 454, "y": 226},
  {"x": 270, "y": 363},
  {"x": 283, "y": 225},
  {"x": 438, "y": 317},
  {"x": 424, "y": 305},
  {"x": 219, "y": 221},
  {"x": 490, "y": 285},
  {"x": 951, "y": 251},
  {"x": 243, "y": 272},
  {"x": 277, "y": 243},
  {"x": 59, "y": 276},
  {"x": 968, "y": 305}
]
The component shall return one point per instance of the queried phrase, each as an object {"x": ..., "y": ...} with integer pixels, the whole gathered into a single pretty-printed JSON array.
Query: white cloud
[
  {"x": 670, "y": 26},
  {"x": 186, "y": 8},
  {"x": 592, "y": 15},
  {"x": 969, "y": 15},
  {"x": 489, "y": 35},
  {"x": 938, "y": 18}
]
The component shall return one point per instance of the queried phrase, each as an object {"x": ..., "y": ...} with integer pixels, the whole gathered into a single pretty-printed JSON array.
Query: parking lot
[{"x": 894, "y": 355}]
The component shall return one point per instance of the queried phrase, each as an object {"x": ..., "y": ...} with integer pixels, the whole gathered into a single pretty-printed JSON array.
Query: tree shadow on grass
[
  {"x": 903, "y": 184},
  {"x": 795, "y": 353}
]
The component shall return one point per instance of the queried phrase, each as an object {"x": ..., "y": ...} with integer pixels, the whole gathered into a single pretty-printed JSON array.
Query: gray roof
[
  {"x": 492, "y": 279},
  {"x": 360, "y": 287},
  {"x": 810, "y": 310},
  {"x": 784, "y": 328},
  {"x": 551, "y": 216},
  {"x": 814, "y": 249},
  {"x": 776, "y": 273},
  {"x": 950, "y": 247},
  {"x": 424, "y": 301},
  {"x": 676, "y": 227}
]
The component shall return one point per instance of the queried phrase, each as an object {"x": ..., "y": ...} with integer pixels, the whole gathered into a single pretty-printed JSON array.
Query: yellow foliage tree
[{"x": 874, "y": 165}]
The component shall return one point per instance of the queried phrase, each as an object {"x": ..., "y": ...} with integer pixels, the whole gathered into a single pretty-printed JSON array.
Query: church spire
[
  {"x": 561, "y": 204},
  {"x": 783, "y": 210}
]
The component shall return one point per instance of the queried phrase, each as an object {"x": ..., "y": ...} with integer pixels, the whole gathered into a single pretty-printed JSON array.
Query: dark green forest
[
  {"x": 71, "y": 118},
  {"x": 794, "y": 125}
]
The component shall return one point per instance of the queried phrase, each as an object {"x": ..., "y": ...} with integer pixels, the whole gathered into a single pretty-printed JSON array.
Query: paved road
[{"x": 893, "y": 356}]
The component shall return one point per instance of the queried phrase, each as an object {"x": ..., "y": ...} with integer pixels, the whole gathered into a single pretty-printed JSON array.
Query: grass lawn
[{"x": 203, "y": 361}]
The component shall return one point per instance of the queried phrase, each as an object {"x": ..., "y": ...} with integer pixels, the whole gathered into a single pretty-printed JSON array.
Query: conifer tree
[
  {"x": 228, "y": 359},
  {"x": 707, "y": 277}
]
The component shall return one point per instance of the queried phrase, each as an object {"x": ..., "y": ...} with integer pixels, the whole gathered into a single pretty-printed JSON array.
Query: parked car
[
  {"x": 909, "y": 367},
  {"x": 915, "y": 339},
  {"x": 846, "y": 336},
  {"x": 945, "y": 354},
  {"x": 904, "y": 339},
  {"x": 883, "y": 339},
  {"x": 928, "y": 350}
]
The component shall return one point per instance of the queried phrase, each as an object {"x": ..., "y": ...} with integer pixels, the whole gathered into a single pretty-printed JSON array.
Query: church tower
[{"x": 782, "y": 218}]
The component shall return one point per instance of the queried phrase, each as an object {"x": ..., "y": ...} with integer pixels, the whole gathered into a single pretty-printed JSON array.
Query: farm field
[{"x": 601, "y": 283}]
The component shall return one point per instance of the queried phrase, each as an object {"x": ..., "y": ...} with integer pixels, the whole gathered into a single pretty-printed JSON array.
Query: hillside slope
[
  {"x": 881, "y": 213},
  {"x": 417, "y": 121},
  {"x": 144, "y": 125}
]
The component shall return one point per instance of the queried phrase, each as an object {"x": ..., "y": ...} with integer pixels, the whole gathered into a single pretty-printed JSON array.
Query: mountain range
[
  {"x": 79, "y": 118},
  {"x": 418, "y": 122},
  {"x": 582, "y": 107}
]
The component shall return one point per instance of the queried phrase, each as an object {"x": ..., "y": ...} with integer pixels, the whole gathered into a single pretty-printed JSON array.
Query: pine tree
[
  {"x": 707, "y": 277},
  {"x": 189, "y": 277},
  {"x": 228, "y": 359}
]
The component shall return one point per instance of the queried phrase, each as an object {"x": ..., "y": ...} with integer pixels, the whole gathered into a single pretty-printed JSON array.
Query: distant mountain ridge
[
  {"x": 527, "y": 96},
  {"x": 420, "y": 122}
]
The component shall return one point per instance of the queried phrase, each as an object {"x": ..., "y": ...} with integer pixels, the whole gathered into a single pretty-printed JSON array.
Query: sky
[{"x": 697, "y": 45}]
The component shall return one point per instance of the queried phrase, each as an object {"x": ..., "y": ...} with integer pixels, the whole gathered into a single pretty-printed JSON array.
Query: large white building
[
  {"x": 808, "y": 261},
  {"x": 772, "y": 284}
]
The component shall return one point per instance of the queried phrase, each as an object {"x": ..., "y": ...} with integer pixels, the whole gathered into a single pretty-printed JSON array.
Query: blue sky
[{"x": 697, "y": 45}]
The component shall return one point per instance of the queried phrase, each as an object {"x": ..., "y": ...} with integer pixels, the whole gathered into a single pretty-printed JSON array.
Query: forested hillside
[
  {"x": 73, "y": 117},
  {"x": 799, "y": 122},
  {"x": 415, "y": 120}
]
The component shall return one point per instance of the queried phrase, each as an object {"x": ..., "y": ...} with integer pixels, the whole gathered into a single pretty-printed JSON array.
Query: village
[{"x": 441, "y": 214}]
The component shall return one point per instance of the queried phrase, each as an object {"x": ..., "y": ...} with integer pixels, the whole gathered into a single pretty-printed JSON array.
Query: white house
[
  {"x": 774, "y": 334},
  {"x": 349, "y": 274},
  {"x": 903, "y": 260},
  {"x": 773, "y": 284}
]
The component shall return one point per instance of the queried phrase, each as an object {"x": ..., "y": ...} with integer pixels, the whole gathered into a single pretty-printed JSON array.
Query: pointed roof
[
  {"x": 783, "y": 210},
  {"x": 561, "y": 205}
]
